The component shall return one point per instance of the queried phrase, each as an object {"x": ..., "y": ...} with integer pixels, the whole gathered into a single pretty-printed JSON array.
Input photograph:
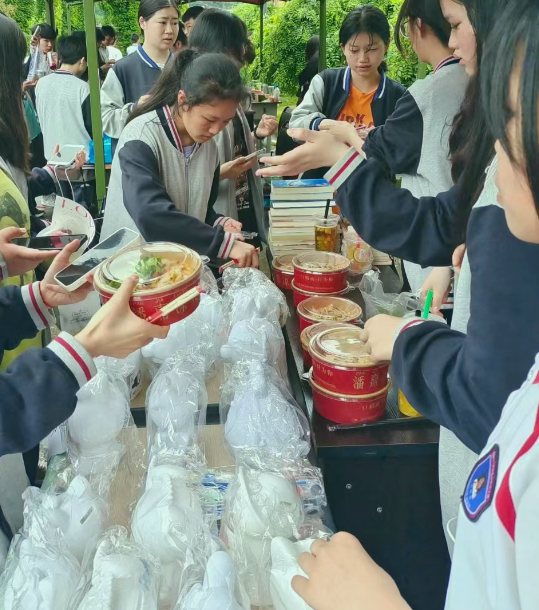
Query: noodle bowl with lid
[
  {"x": 321, "y": 272},
  {"x": 166, "y": 271}
]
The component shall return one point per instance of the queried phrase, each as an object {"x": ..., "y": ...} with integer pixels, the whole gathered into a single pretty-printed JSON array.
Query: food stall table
[{"x": 382, "y": 486}]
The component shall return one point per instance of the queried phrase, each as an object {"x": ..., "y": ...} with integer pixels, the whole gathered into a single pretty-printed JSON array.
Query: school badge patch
[{"x": 479, "y": 490}]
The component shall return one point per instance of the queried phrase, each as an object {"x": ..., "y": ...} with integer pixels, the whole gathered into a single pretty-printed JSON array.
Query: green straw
[{"x": 428, "y": 303}]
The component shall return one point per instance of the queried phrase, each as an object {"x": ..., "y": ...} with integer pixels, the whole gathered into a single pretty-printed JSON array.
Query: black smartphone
[{"x": 50, "y": 242}]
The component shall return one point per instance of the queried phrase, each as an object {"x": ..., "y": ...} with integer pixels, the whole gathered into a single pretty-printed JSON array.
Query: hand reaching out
[
  {"x": 19, "y": 259},
  {"x": 267, "y": 127},
  {"x": 343, "y": 132}
]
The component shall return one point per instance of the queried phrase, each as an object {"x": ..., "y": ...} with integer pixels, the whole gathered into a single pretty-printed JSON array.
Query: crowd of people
[{"x": 465, "y": 143}]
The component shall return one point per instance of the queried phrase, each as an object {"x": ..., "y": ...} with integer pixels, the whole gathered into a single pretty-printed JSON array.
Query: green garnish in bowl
[{"x": 148, "y": 267}]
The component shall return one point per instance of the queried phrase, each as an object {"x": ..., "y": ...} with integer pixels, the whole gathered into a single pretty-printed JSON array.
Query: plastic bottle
[{"x": 276, "y": 93}]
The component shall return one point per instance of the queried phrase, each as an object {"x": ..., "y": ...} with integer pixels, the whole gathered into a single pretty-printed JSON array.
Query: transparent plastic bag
[
  {"x": 38, "y": 64},
  {"x": 169, "y": 523},
  {"x": 258, "y": 507},
  {"x": 129, "y": 370},
  {"x": 378, "y": 302},
  {"x": 176, "y": 404},
  {"x": 40, "y": 573},
  {"x": 220, "y": 589},
  {"x": 94, "y": 443},
  {"x": 261, "y": 419},
  {"x": 189, "y": 333},
  {"x": 257, "y": 339},
  {"x": 250, "y": 294},
  {"x": 284, "y": 566},
  {"x": 121, "y": 574},
  {"x": 77, "y": 514},
  {"x": 37, "y": 576}
]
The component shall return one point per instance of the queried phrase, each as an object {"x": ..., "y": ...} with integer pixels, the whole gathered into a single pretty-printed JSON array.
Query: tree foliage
[{"x": 287, "y": 28}]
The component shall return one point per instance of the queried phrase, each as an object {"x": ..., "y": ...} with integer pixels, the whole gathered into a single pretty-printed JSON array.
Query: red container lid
[{"x": 284, "y": 263}]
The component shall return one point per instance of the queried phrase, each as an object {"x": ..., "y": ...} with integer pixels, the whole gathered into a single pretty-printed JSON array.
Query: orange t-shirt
[{"x": 357, "y": 109}]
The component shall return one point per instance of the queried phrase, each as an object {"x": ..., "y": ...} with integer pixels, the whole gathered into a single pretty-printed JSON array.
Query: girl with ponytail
[{"x": 166, "y": 171}]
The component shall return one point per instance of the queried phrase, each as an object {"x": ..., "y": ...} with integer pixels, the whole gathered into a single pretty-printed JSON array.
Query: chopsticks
[
  {"x": 232, "y": 262},
  {"x": 176, "y": 304},
  {"x": 376, "y": 424}
]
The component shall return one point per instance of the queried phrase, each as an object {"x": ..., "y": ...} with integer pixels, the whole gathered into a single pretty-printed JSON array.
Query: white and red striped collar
[
  {"x": 63, "y": 72},
  {"x": 173, "y": 128},
  {"x": 448, "y": 61}
]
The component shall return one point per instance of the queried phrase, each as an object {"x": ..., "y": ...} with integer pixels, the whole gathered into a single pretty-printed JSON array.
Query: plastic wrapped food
[
  {"x": 38, "y": 576},
  {"x": 284, "y": 566},
  {"x": 93, "y": 446},
  {"x": 259, "y": 506},
  {"x": 250, "y": 294},
  {"x": 77, "y": 514},
  {"x": 257, "y": 339},
  {"x": 124, "y": 575},
  {"x": 261, "y": 419},
  {"x": 176, "y": 403},
  {"x": 128, "y": 370},
  {"x": 379, "y": 302},
  {"x": 218, "y": 591},
  {"x": 191, "y": 333},
  {"x": 168, "y": 522}
]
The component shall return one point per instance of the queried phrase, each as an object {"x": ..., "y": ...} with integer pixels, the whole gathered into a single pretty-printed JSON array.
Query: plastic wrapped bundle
[
  {"x": 38, "y": 576},
  {"x": 256, "y": 339},
  {"x": 208, "y": 283},
  {"x": 189, "y": 333},
  {"x": 169, "y": 523},
  {"x": 93, "y": 446},
  {"x": 129, "y": 370},
  {"x": 250, "y": 294},
  {"x": 258, "y": 507},
  {"x": 284, "y": 566},
  {"x": 262, "y": 421},
  {"x": 77, "y": 514},
  {"x": 124, "y": 575},
  {"x": 176, "y": 404},
  {"x": 219, "y": 591}
]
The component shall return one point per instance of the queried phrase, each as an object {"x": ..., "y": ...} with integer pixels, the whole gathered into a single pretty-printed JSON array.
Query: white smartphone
[
  {"x": 74, "y": 276},
  {"x": 251, "y": 156},
  {"x": 65, "y": 156}
]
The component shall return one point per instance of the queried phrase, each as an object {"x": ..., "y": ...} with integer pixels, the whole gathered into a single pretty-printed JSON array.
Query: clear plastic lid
[
  {"x": 321, "y": 262},
  {"x": 316, "y": 329},
  {"x": 329, "y": 309},
  {"x": 342, "y": 346},
  {"x": 284, "y": 263},
  {"x": 159, "y": 265}
]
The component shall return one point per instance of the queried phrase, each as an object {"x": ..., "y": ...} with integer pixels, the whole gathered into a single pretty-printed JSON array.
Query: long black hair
[
  {"x": 312, "y": 47},
  {"x": 203, "y": 79},
  {"x": 14, "y": 138},
  {"x": 429, "y": 12},
  {"x": 471, "y": 143},
  {"x": 148, "y": 8},
  {"x": 217, "y": 31},
  {"x": 366, "y": 19},
  {"x": 514, "y": 43}
]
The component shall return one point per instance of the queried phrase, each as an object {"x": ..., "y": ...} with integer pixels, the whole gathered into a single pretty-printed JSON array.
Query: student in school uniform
[
  {"x": 129, "y": 80},
  {"x": 166, "y": 172},
  {"x": 360, "y": 94},
  {"x": 495, "y": 560},
  {"x": 414, "y": 141},
  {"x": 450, "y": 375}
]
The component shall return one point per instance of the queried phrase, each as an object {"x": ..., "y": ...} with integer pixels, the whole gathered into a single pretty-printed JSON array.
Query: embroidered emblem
[{"x": 479, "y": 490}]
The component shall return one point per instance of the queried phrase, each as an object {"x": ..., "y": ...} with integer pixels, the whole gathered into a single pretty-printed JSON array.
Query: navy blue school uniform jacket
[
  {"x": 38, "y": 390},
  {"x": 126, "y": 82},
  {"x": 458, "y": 380}
]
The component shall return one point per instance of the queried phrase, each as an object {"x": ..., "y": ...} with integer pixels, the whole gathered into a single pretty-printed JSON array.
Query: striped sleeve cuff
[
  {"x": 3, "y": 268},
  {"x": 220, "y": 222},
  {"x": 226, "y": 246},
  {"x": 36, "y": 307},
  {"x": 316, "y": 124},
  {"x": 50, "y": 170},
  {"x": 408, "y": 324},
  {"x": 74, "y": 356},
  {"x": 343, "y": 169}
]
